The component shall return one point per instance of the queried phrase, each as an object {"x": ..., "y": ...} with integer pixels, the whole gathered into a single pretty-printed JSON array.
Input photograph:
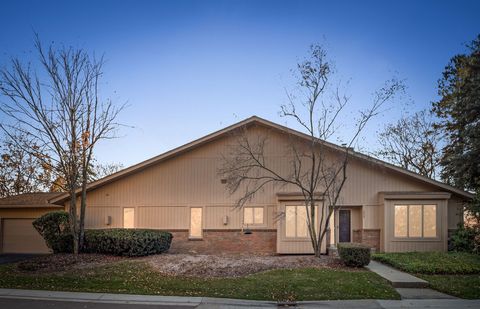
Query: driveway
[{"x": 14, "y": 257}]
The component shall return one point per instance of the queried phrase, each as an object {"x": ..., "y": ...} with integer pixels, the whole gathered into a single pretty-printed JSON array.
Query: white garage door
[{"x": 19, "y": 236}]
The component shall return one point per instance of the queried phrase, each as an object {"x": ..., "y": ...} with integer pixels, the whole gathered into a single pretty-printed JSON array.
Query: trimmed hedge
[
  {"x": 354, "y": 254},
  {"x": 127, "y": 242},
  {"x": 54, "y": 227}
]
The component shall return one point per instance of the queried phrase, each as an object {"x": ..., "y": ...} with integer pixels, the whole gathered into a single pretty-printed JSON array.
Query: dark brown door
[{"x": 344, "y": 226}]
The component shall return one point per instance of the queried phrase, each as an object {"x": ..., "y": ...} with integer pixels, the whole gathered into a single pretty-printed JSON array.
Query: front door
[{"x": 344, "y": 226}]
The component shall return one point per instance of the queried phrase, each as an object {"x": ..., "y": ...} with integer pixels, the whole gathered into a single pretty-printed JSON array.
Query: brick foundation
[
  {"x": 226, "y": 241},
  {"x": 370, "y": 237}
]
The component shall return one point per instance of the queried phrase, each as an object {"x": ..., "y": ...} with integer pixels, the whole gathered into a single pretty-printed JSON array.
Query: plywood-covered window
[
  {"x": 415, "y": 221},
  {"x": 196, "y": 222},
  {"x": 129, "y": 218},
  {"x": 253, "y": 215},
  {"x": 296, "y": 221}
]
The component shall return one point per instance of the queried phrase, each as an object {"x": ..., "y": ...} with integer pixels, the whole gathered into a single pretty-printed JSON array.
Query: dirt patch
[
  {"x": 63, "y": 262},
  {"x": 233, "y": 265}
]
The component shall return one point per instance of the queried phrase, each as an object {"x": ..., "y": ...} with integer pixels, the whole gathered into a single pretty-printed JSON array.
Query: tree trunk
[
  {"x": 83, "y": 206},
  {"x": 73, "y": 219}
]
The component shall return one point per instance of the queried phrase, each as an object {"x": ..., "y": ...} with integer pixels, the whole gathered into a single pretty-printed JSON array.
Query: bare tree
[
  {"x": 414, "y": 143},
  {"x": 316, "y": 169},
  {"x": 20, "y": 170},
  {"x": 101, "y": 170},
  {"x": 60, "y": 109}
]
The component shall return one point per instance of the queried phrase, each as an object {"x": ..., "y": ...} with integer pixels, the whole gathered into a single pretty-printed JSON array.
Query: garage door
[{"x": 19, "y": 236}]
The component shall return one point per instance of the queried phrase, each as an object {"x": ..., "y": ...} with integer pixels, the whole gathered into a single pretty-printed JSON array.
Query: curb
[
  {"x": 100, "y": 297},
  {"x": 211, "y": 302}
]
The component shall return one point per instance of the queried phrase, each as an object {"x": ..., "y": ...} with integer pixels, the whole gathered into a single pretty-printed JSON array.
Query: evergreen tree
[{"x": 459, "y": 111}]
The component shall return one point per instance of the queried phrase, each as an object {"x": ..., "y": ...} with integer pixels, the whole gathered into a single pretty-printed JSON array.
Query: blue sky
[{"x": 187, "y": 68}]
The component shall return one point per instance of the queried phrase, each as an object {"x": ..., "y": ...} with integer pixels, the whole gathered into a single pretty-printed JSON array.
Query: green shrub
[
  {"x": 55, "y": 229},
  {"x": 354, "y": 254},
  {"x": 127, "y": 242},
  {"x": 463, "y": 239}
]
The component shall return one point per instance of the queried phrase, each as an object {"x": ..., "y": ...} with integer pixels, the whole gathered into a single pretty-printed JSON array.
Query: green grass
[
  {"x": 464, "y": 286},
  {"x": 454, "y": 273},
  {"x": 138, "y": 278},
  {"x": 431, "y": 263}
]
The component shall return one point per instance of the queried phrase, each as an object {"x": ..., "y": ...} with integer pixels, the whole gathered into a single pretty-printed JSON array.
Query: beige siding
[
  {"x": 169, "y": 217},
  {"x": 97, "y": 217},
  {"x": 17, "y": 235},
  {"x": 162, "y": 193},
  {"x": 27, "y": 213}
]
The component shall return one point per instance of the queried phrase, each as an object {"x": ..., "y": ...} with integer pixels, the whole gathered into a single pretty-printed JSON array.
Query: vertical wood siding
[{"x": 162, "y": 193}]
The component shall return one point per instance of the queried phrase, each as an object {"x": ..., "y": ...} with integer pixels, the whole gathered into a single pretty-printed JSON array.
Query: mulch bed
[
  {"x": 215, "y": 266},
  {"x": 185, "y": 265}
]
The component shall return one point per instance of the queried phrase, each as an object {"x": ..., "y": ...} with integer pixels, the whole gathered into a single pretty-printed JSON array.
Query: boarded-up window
[
  {"x": 129, "y": 218},
  {"x": 196, "y": 222},
  {"x": 296, "y": 221},
  {"x": 415, "y": 221},
  {"x": 253, "y": 215}
]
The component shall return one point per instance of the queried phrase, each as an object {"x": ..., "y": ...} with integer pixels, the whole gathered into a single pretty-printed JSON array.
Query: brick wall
[
  {"x": 226, "y": 241},
  {"x": 370, "y": 237}
]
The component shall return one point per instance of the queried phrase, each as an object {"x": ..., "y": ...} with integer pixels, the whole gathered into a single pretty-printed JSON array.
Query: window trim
[
  {"x": 416, "y": 238},
  {"x": 253, "y": 214},
  {"x": 190, "y": 237}
]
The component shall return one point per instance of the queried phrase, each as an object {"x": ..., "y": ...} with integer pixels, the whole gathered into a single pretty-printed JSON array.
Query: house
[
  {"x": 384, "y": 206},
  {"x": 17, "y": 234}
]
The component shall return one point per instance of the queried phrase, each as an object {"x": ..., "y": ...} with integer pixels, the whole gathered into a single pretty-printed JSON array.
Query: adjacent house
[{"x": 384, "y": 206}]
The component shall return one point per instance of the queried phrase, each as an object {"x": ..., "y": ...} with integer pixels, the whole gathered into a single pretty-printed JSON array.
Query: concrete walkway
[
  {"x": 408, "y": 286},
  {"x": 18, "y": 299},
  {"x": 398, "y": 279},
  {"x": 422, "y": 294}
]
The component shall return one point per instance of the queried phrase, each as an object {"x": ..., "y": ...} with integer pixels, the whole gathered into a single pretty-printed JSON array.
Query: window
[
  {"x": 129, "y": 218},
  {"x": 429, "y": 220},
  {"x": 296, "y": 221},
  {"x": 196, "y": 222},
  {"x": 415, "y": 221},
  {"x": 253, "y": 215}
]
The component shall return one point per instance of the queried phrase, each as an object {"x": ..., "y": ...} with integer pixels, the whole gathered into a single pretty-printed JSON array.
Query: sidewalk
[
  {"x": 208, "y": 302},
  {"x": 397, "y": 278},
  {"x": 409, "y": 287}
]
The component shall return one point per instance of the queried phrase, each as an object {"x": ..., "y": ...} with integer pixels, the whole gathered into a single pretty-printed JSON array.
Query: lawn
[
  {"x": 454, "y": 273},
  {"x": 137, "y": 277},
  {"x": 451, "y": 263}
]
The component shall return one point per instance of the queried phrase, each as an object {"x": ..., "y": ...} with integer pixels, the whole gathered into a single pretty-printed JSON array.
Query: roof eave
[{"x": 251, "y": 120}]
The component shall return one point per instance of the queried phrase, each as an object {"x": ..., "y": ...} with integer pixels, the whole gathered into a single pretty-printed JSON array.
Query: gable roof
[
  {"x": 255, "y": 120},
  {"x": 30, "y": 200}
]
